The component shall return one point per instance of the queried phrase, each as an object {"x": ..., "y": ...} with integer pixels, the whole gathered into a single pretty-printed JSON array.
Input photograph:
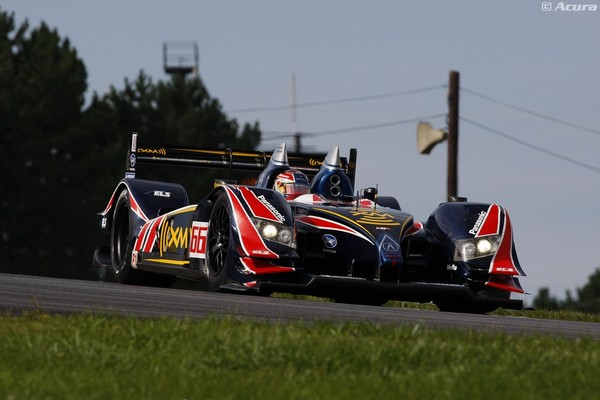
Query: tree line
[
  {"x": 61, "y": 158},
  {"x": 585, "y": 298}
]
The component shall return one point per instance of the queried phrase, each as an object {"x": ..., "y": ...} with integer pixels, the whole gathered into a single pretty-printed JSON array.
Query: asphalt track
[{"x": 19, "y": 293}]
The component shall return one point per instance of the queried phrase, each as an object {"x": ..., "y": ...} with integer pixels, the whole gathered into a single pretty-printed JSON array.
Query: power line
[
  {"x": 282, "y": 135},
  {"x": 530, "y": 112},
  {"x": 339, "y": 101},
  {"x": 531, "y": 146}
]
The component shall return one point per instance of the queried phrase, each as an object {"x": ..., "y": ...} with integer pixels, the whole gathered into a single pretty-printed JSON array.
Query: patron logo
[
  {"x": 330, "y": 241},
  {"x": 478, "y": 223}
]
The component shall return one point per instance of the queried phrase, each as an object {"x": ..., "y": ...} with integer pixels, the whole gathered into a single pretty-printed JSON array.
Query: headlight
[
  {"x": 469, "y": 249},
  {"x": 268, "y": 231},
  {"x": 275, "y": 232}
]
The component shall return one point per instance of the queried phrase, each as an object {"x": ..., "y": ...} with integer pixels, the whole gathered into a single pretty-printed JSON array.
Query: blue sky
[{"x": 547, "y": 174}]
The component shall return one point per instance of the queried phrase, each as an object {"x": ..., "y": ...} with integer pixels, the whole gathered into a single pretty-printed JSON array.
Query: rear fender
[{"x": 147, "y": 200}]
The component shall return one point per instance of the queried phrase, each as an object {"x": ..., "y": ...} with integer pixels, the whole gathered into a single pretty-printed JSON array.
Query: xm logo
[{"x": 562, "y": 6}]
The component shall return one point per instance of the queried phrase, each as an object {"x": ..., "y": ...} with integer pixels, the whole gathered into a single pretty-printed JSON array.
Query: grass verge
[{"x": 96, "y": 357}]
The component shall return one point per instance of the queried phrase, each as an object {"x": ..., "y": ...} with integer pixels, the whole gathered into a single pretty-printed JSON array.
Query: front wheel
[{"x": 217, "y": 246}]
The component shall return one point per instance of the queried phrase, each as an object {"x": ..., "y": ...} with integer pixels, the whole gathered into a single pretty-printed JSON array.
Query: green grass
[
  {"x": 566, "y": 315},
  {"x": 95, "y": 357}
]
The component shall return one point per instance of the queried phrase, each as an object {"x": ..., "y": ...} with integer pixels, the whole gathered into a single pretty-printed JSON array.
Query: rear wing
[{"x": 233, "y": 160}]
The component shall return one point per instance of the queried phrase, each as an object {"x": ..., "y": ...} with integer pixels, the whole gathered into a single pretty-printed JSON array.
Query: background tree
[
  {"x": 42, "y": 86},
  {"x": 61, "y": 161},
  {"x": 589, "y": 294},
  {"x": 544, "y": 301},
  {"x": 587, "y": 299}
]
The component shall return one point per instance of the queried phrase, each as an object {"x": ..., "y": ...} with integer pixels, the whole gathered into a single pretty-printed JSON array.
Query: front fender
[{"x": 453, "y": 223}]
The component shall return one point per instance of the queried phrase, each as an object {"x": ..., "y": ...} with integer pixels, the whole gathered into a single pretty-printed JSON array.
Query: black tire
[
  {"x": 217, "y": 243},
  {"x": 121, "y": 242},
  {"x": 121, "y": 247}
]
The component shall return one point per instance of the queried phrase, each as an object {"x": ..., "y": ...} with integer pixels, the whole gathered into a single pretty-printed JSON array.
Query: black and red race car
[{"x": 303, "y": 229}]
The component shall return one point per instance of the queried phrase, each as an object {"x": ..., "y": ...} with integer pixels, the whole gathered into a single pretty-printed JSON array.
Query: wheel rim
[{"x": 218, "y": 240}]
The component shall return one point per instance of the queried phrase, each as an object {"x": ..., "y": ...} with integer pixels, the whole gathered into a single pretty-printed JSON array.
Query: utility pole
[
  {"x": 453, "y": 99},
  {"x": 295, "y": 133}
]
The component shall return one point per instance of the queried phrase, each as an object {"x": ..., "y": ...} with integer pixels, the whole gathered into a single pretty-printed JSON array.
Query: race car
[{"x": 302, "y": 229}]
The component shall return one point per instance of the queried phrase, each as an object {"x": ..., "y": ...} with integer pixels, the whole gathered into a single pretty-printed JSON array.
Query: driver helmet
[{"x": 291, "y": 184}]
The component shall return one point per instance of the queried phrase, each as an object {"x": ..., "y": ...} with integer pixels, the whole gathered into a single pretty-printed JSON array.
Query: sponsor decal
[
  {"x": 389, "y": 246},
  {"x": 491, "y": 224},
  {"x": 271, "y": 208},
  {"x": 259, "y": 252},
  {"x": 487, "y": 223},
  {"x": 160, "y": 193},
  {"x": 261, "y": 207},
  {"x": 478, "y": 223},
  {"x": 451, "y": 267},
  {"x": 160, "y": 151},
  {"x": 172, "y": 238},
  {"x": 198, "y": 239},
  {"x": 374, "y": 218},
  {"x": 330, "y": 241},
  {"x": 132, "y": 160}
]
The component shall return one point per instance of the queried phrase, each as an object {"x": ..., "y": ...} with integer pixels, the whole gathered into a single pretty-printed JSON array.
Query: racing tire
[
  {"x": 121, "y": 242},
  {"x": 121, "y": 246},
  {"x": 217, "y": 243}
]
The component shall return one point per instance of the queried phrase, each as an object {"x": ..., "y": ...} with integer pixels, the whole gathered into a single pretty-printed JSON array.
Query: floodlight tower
[{"x": 181, "y": 58}]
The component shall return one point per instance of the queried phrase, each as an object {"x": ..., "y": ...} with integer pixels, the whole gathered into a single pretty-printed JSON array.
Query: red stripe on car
[
  {"x": 503, "y": 263},
  {"x": 261, "y": 267},
  {"x": 251, "y": 242},
  {"x": 504, "y": 282},
  {"x": 258, "y": 207},
  {"x": 140, "y": 239},
  {"x": 491, "y": 223}
]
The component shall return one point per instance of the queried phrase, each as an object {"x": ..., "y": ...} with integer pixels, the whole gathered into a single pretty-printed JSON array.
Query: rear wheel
[
  {"x": 217, "y": 238},
  {"x": 121, "y": 242}
]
